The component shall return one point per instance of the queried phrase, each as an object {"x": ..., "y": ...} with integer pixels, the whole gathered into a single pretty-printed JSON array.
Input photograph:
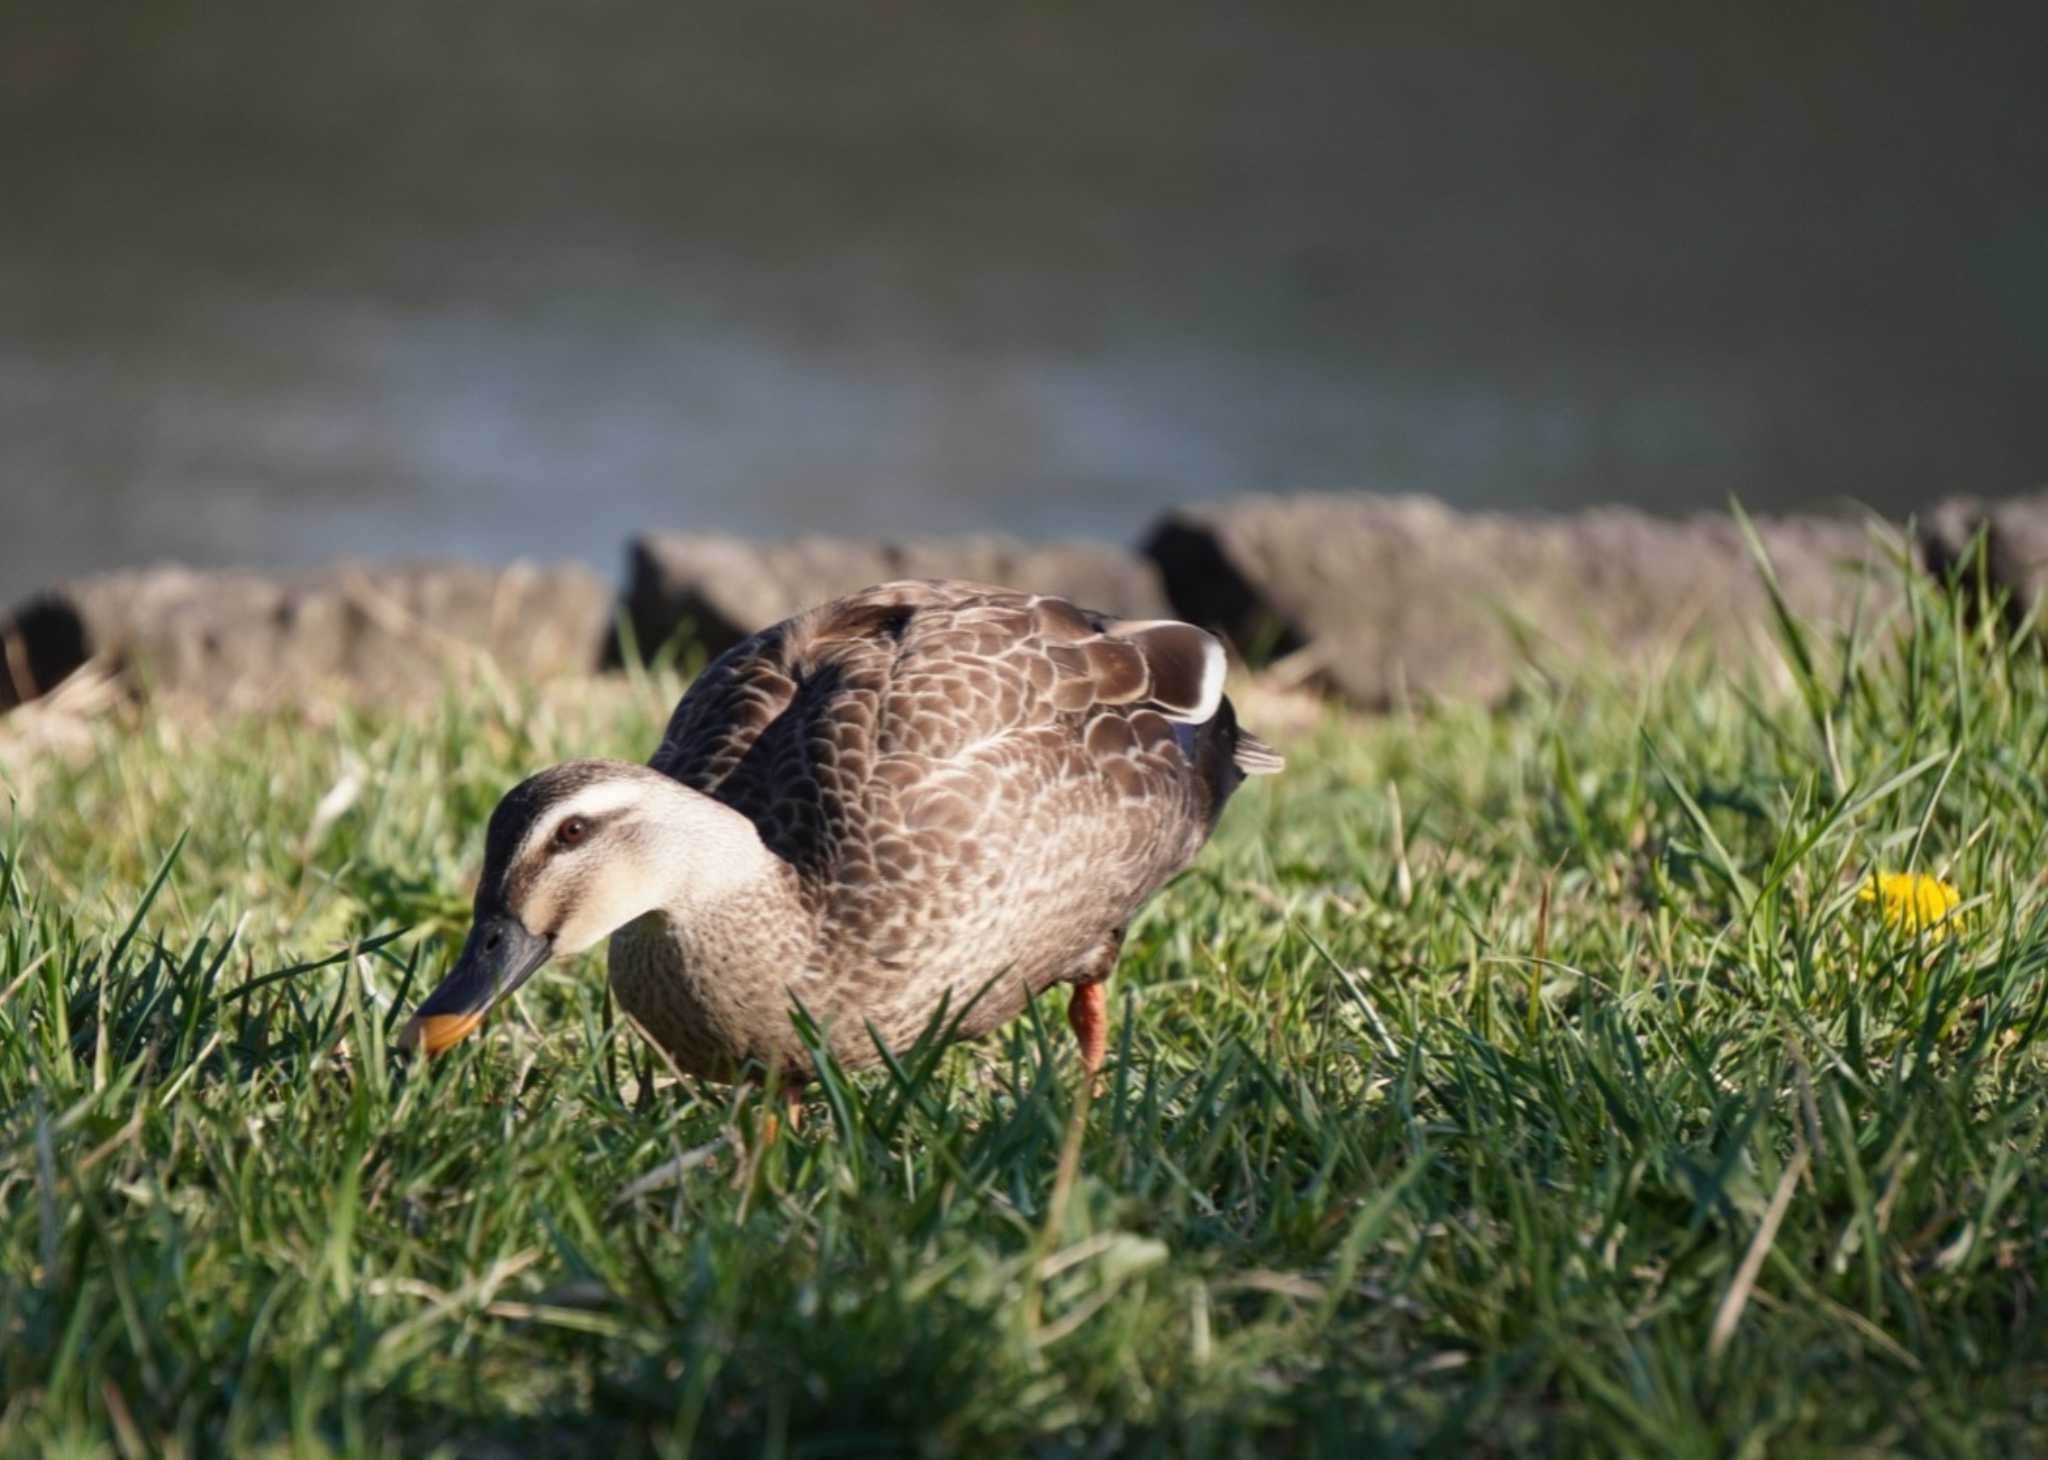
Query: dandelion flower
[{"x": 1913, "y": 901}]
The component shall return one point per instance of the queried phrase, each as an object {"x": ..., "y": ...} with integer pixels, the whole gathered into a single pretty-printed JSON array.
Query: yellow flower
[{"x": 1913, "y": 901}]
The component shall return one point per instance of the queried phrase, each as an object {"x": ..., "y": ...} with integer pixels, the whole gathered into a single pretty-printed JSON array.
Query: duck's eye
[{"x": 572, "y": 832}]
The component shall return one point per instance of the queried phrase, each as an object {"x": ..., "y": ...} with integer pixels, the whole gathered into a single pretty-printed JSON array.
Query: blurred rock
[
  {"x": 2014, "y": 538},
  {"x": 1373, "y": 598},
  {"x": 58, "y": 726},
  {"x": 1376, "y": 598},
  {"x": 720, "y": 589},
  {"x": 239, "y": 640}
]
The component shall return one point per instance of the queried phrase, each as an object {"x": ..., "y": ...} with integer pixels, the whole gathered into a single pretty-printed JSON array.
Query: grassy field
[{"x": 1524, "y": 1082}]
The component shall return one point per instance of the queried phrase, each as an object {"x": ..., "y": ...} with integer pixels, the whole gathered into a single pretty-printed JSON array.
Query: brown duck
[{"x": 925, "y": 795}]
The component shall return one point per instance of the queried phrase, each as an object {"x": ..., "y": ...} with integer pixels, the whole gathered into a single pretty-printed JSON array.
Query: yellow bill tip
[{"x": 434, "y": 1033}]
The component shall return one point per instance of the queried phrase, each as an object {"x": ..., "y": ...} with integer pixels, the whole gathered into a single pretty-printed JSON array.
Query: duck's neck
[
  {"x": 702, "y": 855},
  {"x": 710, "y": 963}
]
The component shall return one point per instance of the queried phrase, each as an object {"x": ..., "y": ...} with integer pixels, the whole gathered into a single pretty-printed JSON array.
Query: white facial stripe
[{"x": 595, "y": 802}]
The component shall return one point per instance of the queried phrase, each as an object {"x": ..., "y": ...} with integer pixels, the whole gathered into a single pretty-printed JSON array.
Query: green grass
[{"x": 1606, "y": 1122}]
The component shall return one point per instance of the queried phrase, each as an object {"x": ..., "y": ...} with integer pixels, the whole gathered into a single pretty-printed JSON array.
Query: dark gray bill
[{"x": 498, "y": 956}]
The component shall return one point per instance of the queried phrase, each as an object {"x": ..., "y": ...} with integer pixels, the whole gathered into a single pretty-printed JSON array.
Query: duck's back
[{"x": 973, "y": 786}]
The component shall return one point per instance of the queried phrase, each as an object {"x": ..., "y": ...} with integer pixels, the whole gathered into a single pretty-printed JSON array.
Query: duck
[{"x": 926, "y": 801}]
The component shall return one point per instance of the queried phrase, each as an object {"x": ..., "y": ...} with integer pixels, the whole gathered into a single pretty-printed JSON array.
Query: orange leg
[
  {"x": 1088, "y": 1017},
  {"x": 792, "y": 1114}
]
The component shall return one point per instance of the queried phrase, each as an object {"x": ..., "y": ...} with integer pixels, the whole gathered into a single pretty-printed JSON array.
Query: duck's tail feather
[{"x": 1254, "y": 757}]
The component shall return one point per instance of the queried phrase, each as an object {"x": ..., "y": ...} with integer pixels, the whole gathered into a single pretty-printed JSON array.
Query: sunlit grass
[{"x": 1590, "y": 1110}]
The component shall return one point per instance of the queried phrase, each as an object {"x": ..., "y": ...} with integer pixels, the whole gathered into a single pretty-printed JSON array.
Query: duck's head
[{"x": 572, "y": 855}]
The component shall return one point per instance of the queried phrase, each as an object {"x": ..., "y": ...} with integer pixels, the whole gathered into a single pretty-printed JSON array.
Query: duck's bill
[{"x": 498, "y": 956}]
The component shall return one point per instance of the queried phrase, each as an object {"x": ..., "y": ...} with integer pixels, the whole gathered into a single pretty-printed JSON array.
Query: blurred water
[{"x": 519, "y": 278}]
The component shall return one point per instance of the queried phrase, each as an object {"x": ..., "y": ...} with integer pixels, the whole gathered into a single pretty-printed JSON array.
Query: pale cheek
[
  {"x": 579, "y": 930},
  {"x": 590, "y": 908},
  {"x": 582, "y": 897},
  {"x": 541, "y": 912}
]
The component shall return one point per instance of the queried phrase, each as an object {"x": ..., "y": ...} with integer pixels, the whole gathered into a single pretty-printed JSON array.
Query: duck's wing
[
  {"x": 936, "y": 716},
  {"x": 726, "y": 708},
  {"x": 780, "y": 725}
]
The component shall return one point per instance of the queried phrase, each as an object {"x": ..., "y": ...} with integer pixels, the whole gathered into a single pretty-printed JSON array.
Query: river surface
[{"x": 384, "y": 277}]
